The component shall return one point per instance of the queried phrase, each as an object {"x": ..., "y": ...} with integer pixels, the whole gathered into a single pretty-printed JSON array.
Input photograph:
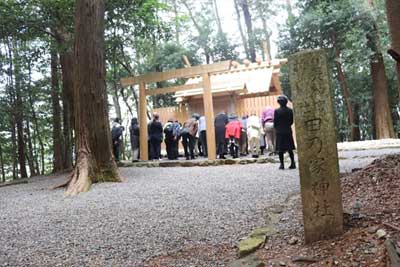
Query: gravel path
[{"x": 156, "y": 211}]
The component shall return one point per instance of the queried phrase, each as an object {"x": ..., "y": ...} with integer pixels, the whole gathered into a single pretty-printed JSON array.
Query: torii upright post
[
  {"x": 144, "y": 146},
  {"x": 209, "y": 114}
]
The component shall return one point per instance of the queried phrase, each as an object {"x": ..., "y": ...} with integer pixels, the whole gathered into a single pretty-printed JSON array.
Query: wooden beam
[
  {"x": 209, "y": 114},
  {"x": 175, "y": 74},
  {"x": 144, "y": 146},
  {"x": 186, "y": 60},
  {"x": 174, "y": 89}
]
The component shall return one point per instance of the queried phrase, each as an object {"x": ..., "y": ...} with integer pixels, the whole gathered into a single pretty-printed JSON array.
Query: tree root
[
  {"x": 80, "y": 180},
  {"x": 83, "y": 175}
]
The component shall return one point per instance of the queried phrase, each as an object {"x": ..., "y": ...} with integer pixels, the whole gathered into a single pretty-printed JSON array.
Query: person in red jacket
[{"x": 232, "y": 134}]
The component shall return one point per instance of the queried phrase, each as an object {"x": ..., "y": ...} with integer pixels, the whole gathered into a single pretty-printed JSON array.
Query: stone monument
[{"x": 316, "y": 145}]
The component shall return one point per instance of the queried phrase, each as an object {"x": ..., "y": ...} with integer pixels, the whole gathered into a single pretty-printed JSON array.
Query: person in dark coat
[
  {"x": 221, "y": 120},
  {"x": 134, "y": 133},
  {"x": 155, "y": 129},
  {"x": 283, "y": 120},
  {"x": 170, "y": 138},
  {"x": 116, "y": 136}
]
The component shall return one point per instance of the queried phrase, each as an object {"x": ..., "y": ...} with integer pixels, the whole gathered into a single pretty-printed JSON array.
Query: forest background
[{"x": 36, "y": 63}]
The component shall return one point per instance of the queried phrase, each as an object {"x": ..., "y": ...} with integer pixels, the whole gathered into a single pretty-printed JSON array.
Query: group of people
[{"x": 249, "y": 135}]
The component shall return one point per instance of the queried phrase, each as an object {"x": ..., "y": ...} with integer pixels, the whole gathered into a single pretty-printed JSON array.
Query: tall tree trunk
[
  {"x": 64, "y": 39},
  {"x": 37, "y": 133},
  {"x": 382, "y": 114},
  {"x": 205, "y": 47},
  {"x": 32, "y": 147},
  {"x": 115, "y": 99},
  {"x": 393, "y": 16},
  {"x": 95, "y": 162},
  {"x": 267, "y": 36},
  {"x": 19, "y": 115},
  {"x": 11, "y": 96},
  {"x": 55, "y": 99},
  {"x": 3, "y": 173},
  {"x": 217, "y": 17},
  {"x": 176, "y": 20},
  {"x": 30, "y": 154},
  {"x": 250, "y": 35},
  {"x": 289, "y": 9},
  {"x": 355, "y": 130},
  {"x": 67, "y": 70},
  {"x": 242, "y": 35},
  {"x": 14, "y": 148}
]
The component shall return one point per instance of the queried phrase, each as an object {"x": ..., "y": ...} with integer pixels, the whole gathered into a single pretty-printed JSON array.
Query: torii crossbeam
[{"x": 203, "y": 71}]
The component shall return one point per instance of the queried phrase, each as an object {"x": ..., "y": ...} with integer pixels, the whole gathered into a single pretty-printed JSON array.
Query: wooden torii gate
[{"x": 203, "y": 71}]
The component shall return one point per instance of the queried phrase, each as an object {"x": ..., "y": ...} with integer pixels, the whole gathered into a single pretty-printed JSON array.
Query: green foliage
[
  {"x": 342, "y": 25},
  {"x": 168, "y": 56}
]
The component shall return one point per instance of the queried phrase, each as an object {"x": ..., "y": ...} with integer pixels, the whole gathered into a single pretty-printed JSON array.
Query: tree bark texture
[
  {"x": 242, "y": 35},
  {"x": 177, "y": 27},
  {"x": 95, "y": 162},
  {"x": 14, "y": 148},
  {"x": 3, "y": 173},
  {"x": 382, "y": 114},
  {"x": 11, "y": 96},
  {"x": 383, "y": 122},
  {"x": 206, "y": 48},
  {"x": 267, "y": 36},
  {"x": 19, "y": 115},
  {"x": 217, "y": 17},
  {"x": 250, "y": 35},
  {"x": 20, "y": 137},
  {"x": 55, "y": 99},
  {"x": 393, "y": 16},
  {"x": 355, "y": 130},
  {"x": 37, "y": 133},
  {"x": 67, "y": 71},
  {"x": 30, "y": 155}
]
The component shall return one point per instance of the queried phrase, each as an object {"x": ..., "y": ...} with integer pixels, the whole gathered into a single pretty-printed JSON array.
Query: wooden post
[
  {"x": 316, "y": 141},
  {"x": 186, "y": 61},
  {"x": 144, "y": 146},
  {"x": 209, "y": 114}
]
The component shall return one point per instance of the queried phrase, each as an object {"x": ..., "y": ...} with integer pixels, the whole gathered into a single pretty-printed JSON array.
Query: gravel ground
[{"x": 155, "y": 211}]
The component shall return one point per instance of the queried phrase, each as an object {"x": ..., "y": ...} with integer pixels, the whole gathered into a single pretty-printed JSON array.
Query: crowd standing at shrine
[{"x": 250, "y": 135}]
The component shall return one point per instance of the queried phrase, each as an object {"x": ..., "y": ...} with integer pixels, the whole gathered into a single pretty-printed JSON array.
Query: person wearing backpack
[
  {"x": 134, "y": 133},
  {"x": 116, "y": 137},
  {"x": 169, "y": 138},
  {"x": 177, "y": 134},
  {"x": 189, "y": 131}
]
